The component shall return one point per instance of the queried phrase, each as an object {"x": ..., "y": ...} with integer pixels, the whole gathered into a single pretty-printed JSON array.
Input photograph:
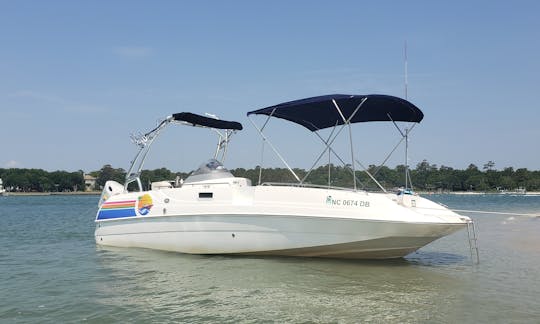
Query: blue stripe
[{"x": 116, "y": 213}]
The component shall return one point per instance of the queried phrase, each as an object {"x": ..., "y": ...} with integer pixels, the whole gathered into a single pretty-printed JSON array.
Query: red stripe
[{"x": 120, "y": 202}]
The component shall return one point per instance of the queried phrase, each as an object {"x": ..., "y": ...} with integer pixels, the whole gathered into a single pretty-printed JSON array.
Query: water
[{"x": 52, "y": 271}]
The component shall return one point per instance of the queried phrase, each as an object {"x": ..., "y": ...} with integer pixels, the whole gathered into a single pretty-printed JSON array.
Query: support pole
[
  {"x": 328, "y": 142},
  {"x": 347, "y": 121},
  {"x": 275, "y": 150},
  {"x": 338, "y": 157},
  {"x": 260, "y": 166},
  {"x": 329, "y": 169},
  {"x": 352, "y": 157},
  {"x": 405, "y": 135},
  {"x": 262, "y": 146},
  {"x": 406, "y": 158}
]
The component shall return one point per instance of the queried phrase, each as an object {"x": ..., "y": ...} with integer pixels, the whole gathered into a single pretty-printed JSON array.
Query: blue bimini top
[
  {"x": 198, "y": 120},
  {"x": 320, "y": 112}
]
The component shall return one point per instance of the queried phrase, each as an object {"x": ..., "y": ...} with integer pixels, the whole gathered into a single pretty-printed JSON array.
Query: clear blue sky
[{"x": 77, "y": 77}]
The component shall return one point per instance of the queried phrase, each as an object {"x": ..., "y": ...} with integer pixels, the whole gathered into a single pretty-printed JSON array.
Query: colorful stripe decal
[
  {"x": 117, "y": 209},
  {"x": 119, "y": 204}
]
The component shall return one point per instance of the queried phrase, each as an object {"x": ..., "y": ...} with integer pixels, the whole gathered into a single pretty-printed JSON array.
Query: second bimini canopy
[
  {"x": 331, "y": 110},
  {"x": 198, "y": 120},
  {"x": 225, "y": 129}
]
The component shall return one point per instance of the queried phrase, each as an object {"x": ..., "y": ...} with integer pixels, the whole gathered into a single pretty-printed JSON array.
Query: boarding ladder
[{"x": 473, "y": 242}]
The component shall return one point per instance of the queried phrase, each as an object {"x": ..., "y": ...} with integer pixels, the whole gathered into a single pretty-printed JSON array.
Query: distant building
[
  {"x": 89, "y": 182},
  {"x": 2, "y": 190}
]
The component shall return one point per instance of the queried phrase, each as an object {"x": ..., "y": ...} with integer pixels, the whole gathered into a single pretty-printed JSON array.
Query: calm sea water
[{"x": 52, "y": 271}]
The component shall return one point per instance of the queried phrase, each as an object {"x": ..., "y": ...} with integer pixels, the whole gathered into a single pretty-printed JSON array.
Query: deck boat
[{"x": 214, "y": 212}]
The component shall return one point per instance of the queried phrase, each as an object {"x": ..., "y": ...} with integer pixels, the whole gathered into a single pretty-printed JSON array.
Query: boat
[
  {"x": 2, "y": 189},
  {"x": 214, "y": 212}
]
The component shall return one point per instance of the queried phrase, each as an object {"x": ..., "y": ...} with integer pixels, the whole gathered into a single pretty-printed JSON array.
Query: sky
[{"x": 78, "y": 77}]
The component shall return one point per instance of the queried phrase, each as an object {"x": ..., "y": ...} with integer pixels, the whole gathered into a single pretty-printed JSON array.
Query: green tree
[
  {"x": 489, "y": 166},
  {"x": 107, "y": 172},
  {"x": 521, "y": 177}
]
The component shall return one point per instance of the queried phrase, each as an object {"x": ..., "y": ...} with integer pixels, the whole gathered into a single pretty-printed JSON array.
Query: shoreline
[
  {"x": 76, "y": 193},
  {"x": 457, "y": 193},
  {"x": 474, "y": 193}
]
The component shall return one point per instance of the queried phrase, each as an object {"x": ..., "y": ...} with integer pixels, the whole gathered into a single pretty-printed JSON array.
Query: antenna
[
  {"x": 407, "y": 130},
  {"x": 406, "y": 81}
]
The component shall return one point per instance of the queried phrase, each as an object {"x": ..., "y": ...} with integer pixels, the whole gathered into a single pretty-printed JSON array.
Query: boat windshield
[{"x": 212, "y": 169}]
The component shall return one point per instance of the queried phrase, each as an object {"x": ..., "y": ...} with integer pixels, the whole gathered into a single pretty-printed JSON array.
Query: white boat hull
[{"x": 273, "y": 235}]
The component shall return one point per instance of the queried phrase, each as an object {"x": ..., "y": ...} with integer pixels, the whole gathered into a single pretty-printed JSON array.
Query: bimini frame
[
  {"x": 224, "y": 129},
  {"x": 342, "y": 110}
]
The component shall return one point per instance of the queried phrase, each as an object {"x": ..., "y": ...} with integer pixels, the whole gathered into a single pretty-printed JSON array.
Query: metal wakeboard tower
[
  {"x": 331, "y": 111},
  {"x": 224, "y": 129}
]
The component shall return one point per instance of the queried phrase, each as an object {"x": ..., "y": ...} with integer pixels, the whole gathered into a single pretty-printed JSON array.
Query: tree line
[
  {"x": 425, "y": 177},
  {"x": 38, "y": 180}
]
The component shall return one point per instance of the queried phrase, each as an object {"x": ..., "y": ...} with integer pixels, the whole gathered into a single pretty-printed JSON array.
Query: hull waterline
[{"x": 302, "y": 236}]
